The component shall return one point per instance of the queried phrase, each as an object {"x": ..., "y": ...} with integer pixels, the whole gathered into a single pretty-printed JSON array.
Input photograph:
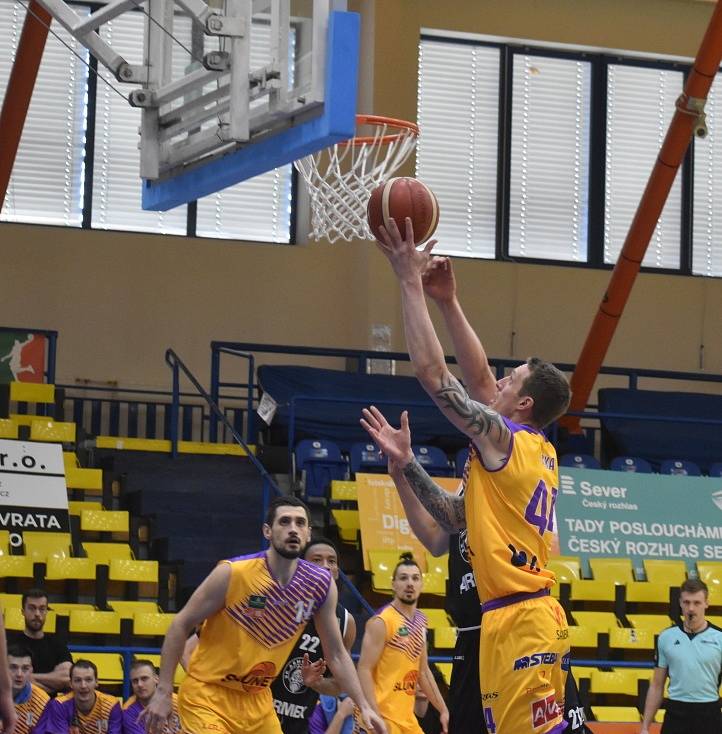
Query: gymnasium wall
[{"x": 119, "y": 299}]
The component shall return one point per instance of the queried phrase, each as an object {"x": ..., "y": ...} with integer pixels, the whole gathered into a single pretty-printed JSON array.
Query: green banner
[{"x": 638, "y": 516}]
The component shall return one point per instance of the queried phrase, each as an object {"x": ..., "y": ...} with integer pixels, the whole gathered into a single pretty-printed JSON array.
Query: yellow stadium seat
[
  {"x": 23, "y": 419},
  {"x": 128, "y": 609},
  {"x": 383, "y": 563},
  {"x": 672, "y": 573},
  {"x": 4, "y": 542},
  {"x": 109, "y": 664},
  {"x": 348, "y": 525},
  {"x": 151, "y": 624},
  {"x": 342, "y": 491},
  {"x": 620, "y": 681},
  {"x": 593, "y": 590},
  {"x": 582, "y": 636},
  {"x": 622, "y": 714},
  {"x": 631, "y": 638},
  {"x": 445, "y": 670},
  {"x": 11, "y": 601},
  {"x": 82, "y": 569},
  {"x": 8, "y": 428},
  {"x": 438, "y": 564},
  {"x": 70, "y": 460},
  {"x": 445, "y": 638},
  {"x": 90, "y": 480},
  {"x": 711, "y": 573},
  {"x": 105, "y": 552},
  {"x": 65, "y": 608},
  {"x": 648, "y": 591},
  {"x": 617, "y": 570},
  {"x": 76, "y": 507},
  {"x": 155, "y": 659},
  {"x": 654, "y": 623},
  {"x": 597, "y": 621},
  {"x": 582, "y": 673},
  {"x": 125, "y": 569},
  {"x": 19, "y": 567},
  {"x": 14, "y": 620},
  {"x": 659, "y": 716},
  {"x": 436, "y": 618},
  {"x": 434, "y": 583},
  {"x": 44, "y": 429},
  {"x": 94, "y": 622},
  {"x": 565, "y": 568},
  {"x": 32, "y": 392},
  {"x": 105, "y": 521},
  {"x": 41, "y": 546}
]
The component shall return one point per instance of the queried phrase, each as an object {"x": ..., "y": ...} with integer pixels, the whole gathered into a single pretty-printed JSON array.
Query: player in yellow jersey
[
  {"x": 30, "y": 700},
  {"x": 393, "y": 658},
  {"x": 253, "y": 610},
  {"x": 507, "y": 508}
]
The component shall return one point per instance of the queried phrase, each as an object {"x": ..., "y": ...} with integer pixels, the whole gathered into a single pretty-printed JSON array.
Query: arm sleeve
[
  {"x": 660, "y": 657},
  {"x": 115, "y": 720},
  {"x": 129, "y": 721},
  {"x": 56, "y": 719}
]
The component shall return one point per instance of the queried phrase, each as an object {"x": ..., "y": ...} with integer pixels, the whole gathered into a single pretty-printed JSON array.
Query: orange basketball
[{"x": 399, "y": 198}]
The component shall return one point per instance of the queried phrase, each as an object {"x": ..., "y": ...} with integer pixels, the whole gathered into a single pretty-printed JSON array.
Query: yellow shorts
[
  {"x": 206, "y": 708},
  {"x": 523, "y": 664},
  {"x": 411, "y": 728}
]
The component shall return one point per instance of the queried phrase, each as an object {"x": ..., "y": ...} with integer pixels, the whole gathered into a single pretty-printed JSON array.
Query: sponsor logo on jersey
[
  {"x": 259, "y": 677},
  {"x": 566, "y": 661},
  {"x": 408, "y": 684},
  {"x": 292, "y": 678},
  {"x": 257, "y": 602},
  {"x": 493, "y": 695},
  {"x": 289, "y": 710},
  {"x": 464, "y": 545},
  {"x": 544, "y": 711},
  {"x": 403, "y": 631},
  {"x": 537, "y": 658}
]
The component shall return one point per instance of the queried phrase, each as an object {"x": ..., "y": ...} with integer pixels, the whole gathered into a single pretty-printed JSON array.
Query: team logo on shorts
[
  {"x": 292, "y": 678},
  {"x": 464, "y": 546},
  {"x": 544, "y": 711}
]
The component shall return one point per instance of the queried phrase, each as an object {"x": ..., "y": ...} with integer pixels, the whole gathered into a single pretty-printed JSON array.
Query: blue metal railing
[{"x": 50, "y": 357}]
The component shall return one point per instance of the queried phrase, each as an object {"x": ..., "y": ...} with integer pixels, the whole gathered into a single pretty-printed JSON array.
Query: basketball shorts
[
  {"x": 465, "y": 713},
  {"x": 524, "y": 659},
  {"x": 206, "y": 708},
  {"x": 393, "y": 727}
]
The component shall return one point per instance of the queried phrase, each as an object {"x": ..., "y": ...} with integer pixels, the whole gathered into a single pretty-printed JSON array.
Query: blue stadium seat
[
  {"x": 631, "y": 463},
  {"x": 679, "y": 466},
  {"x": 365, "y": 457},
  {"x": 579, "y": 461},
  {"x": 460, "y": 461},
  {"x": 715, "y": 470},
  {"x": 434, "y": 460},
  {"x": 321, "y": 461}
]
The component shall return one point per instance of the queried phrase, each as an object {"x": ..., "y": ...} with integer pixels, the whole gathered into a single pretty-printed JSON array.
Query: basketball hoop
[{"x": 340, "y": 178}]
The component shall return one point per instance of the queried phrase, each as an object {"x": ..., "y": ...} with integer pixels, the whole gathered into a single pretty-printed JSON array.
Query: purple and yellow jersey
[
  {"x": 63, "y": 717},
  {"x": 244, "y": 645},
  {"x": 397, "y": 670},
  {"x": 133, "y": 708},
  {"x": 29, "y": 706},
  {"x": 510, "y": 516}
]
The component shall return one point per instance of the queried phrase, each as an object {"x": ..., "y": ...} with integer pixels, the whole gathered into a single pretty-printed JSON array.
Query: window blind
[
  {"x": 640, "y": 104},
  {"x": 457, "y": 152},
  {"x": 46, "y": 186},
  {"x": 549, "y": 179}
]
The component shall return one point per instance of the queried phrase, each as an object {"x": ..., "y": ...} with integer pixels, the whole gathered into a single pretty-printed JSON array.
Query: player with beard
[
  {"x": 393, "y": 655},
  {"x": 294, "y": 699},
  {"x": 253, "y": 609},
  {"x": 462, "y": 598}
]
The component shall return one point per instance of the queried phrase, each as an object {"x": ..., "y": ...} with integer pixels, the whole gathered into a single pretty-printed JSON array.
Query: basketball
[{"x": 399, "y": 198}]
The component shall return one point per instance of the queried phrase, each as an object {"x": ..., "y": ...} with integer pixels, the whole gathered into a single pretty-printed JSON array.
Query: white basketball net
[{"x": 340, "y": 178}]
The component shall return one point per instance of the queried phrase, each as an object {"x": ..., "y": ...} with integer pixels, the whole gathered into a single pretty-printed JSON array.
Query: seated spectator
[
  {"x": 332, "y": 716},
  {"x": 51, "y": 657},
  {"x": 144, "y": 680},
  {"x": 84, "y": 710},
  {"x": 29, "y": 699}
]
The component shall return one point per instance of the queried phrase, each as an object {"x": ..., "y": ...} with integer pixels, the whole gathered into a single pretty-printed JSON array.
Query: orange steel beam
[
  {"x": 20, "y": 89},
  {"x": 687, "y": 121}
]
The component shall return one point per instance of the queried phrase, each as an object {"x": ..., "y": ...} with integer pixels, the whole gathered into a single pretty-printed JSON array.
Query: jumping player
[
  {"x": 253, "y": 609},
  {"x": 393, "y": 656},
  {"x": 508, "y": 507},
  {"x": 293, "y": 700}
]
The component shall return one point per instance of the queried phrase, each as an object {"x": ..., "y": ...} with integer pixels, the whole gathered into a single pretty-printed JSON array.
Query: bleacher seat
[
  {"x": 436, "y": 617},
  {"x": 343, "y": 491},
  {"x": 631, "y": 638},
  {"x": 348, "y": 525},
  {"x": 43, "y": 429},
  {"x": 565, "y": 568},
  {"x": 76, "y": 507},
  {"x": 366, "y": 458},
  {"x": 434, "y": 583},
  {"x": 715, "y": 470},
  {"x": 16, "y": 567},
  {"x": 445, "y": 670},
  {"x": 10, "y": 601},
  {"x": 618, "y": 570},
  {"x": 445, "y": 638},
  {"x": 382, "y": 564},
  {"x": 662, "y": 571},
  {"x": 128, "y": 609},
  {"x": 460, "y": 461},
  {"x": 631, "y": 464},
  {"x": 433, "y": 460},
  {"x": 580, "y": 636},
  {"x": 601, "y": 590},
  {"x": 438, "y": 564},
  {"x": 89, "y": 480},
  {"x": 42, "y": 545},
  {"x": 127, "y": 569},
  {"x": 621, "y": 714},
  {"x": 37, "y": 393},
  {"x": 4, "y": 542},
  {"x": 105, "y": 521},
  {"x": 64, "y": 568},
  {"x": 647, "y": 592},
  {"x": 91, "y": 621},
  {"x": 711, "y": 573},
  {"x": 179, "y": 675},
  {"x": 620, "y": 681},
  {"x": 15, "y": 621},
  {"x": 105, "y": 552},
  {"x": 653, "y": 623},
  {"x": 8, "y": 428},
  {"x": 64, "y": 609},
  {"x": 579, "y": 461},
  {"x": 320, "y": 462},
  {"x": 151, "y": 624},
  {"x": 681, "y": 467},
  {"x": 597, "y": 621},
  {"x": 109, "y": 665}
]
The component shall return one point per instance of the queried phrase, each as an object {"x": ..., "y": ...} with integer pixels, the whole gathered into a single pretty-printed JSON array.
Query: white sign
[{"x": 33, "y": 493}]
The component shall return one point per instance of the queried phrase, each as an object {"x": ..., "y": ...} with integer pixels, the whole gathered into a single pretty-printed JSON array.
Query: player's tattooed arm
[
  {"x": 478, "y": 420},
  {"x": 446, "y": 509}
]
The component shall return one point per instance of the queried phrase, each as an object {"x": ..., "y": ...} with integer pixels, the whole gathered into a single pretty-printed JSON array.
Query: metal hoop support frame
[{"x": 340, "y": 178}]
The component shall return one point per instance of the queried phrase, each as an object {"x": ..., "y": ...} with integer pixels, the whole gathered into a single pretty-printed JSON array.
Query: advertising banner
[
  {"x": 382, "y": 518},
  {"x": 624, "y": 514},
  {"x": 22, "y": 357},
  {"x": 33, "y": 494}
]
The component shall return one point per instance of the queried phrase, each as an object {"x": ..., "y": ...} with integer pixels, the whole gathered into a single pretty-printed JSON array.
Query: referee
[{"x": 690, "y": 653}]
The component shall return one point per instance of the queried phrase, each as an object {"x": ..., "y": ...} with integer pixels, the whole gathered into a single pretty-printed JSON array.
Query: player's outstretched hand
[
  {"x": 371, "y": 722},
  {"x": 405, "y": 259},
  {"x": 312, "y": 673},
  {"x": 155, "y": 715},
  {"x": 394, "y": 442},
  {"x": 438, "y": 279}
]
